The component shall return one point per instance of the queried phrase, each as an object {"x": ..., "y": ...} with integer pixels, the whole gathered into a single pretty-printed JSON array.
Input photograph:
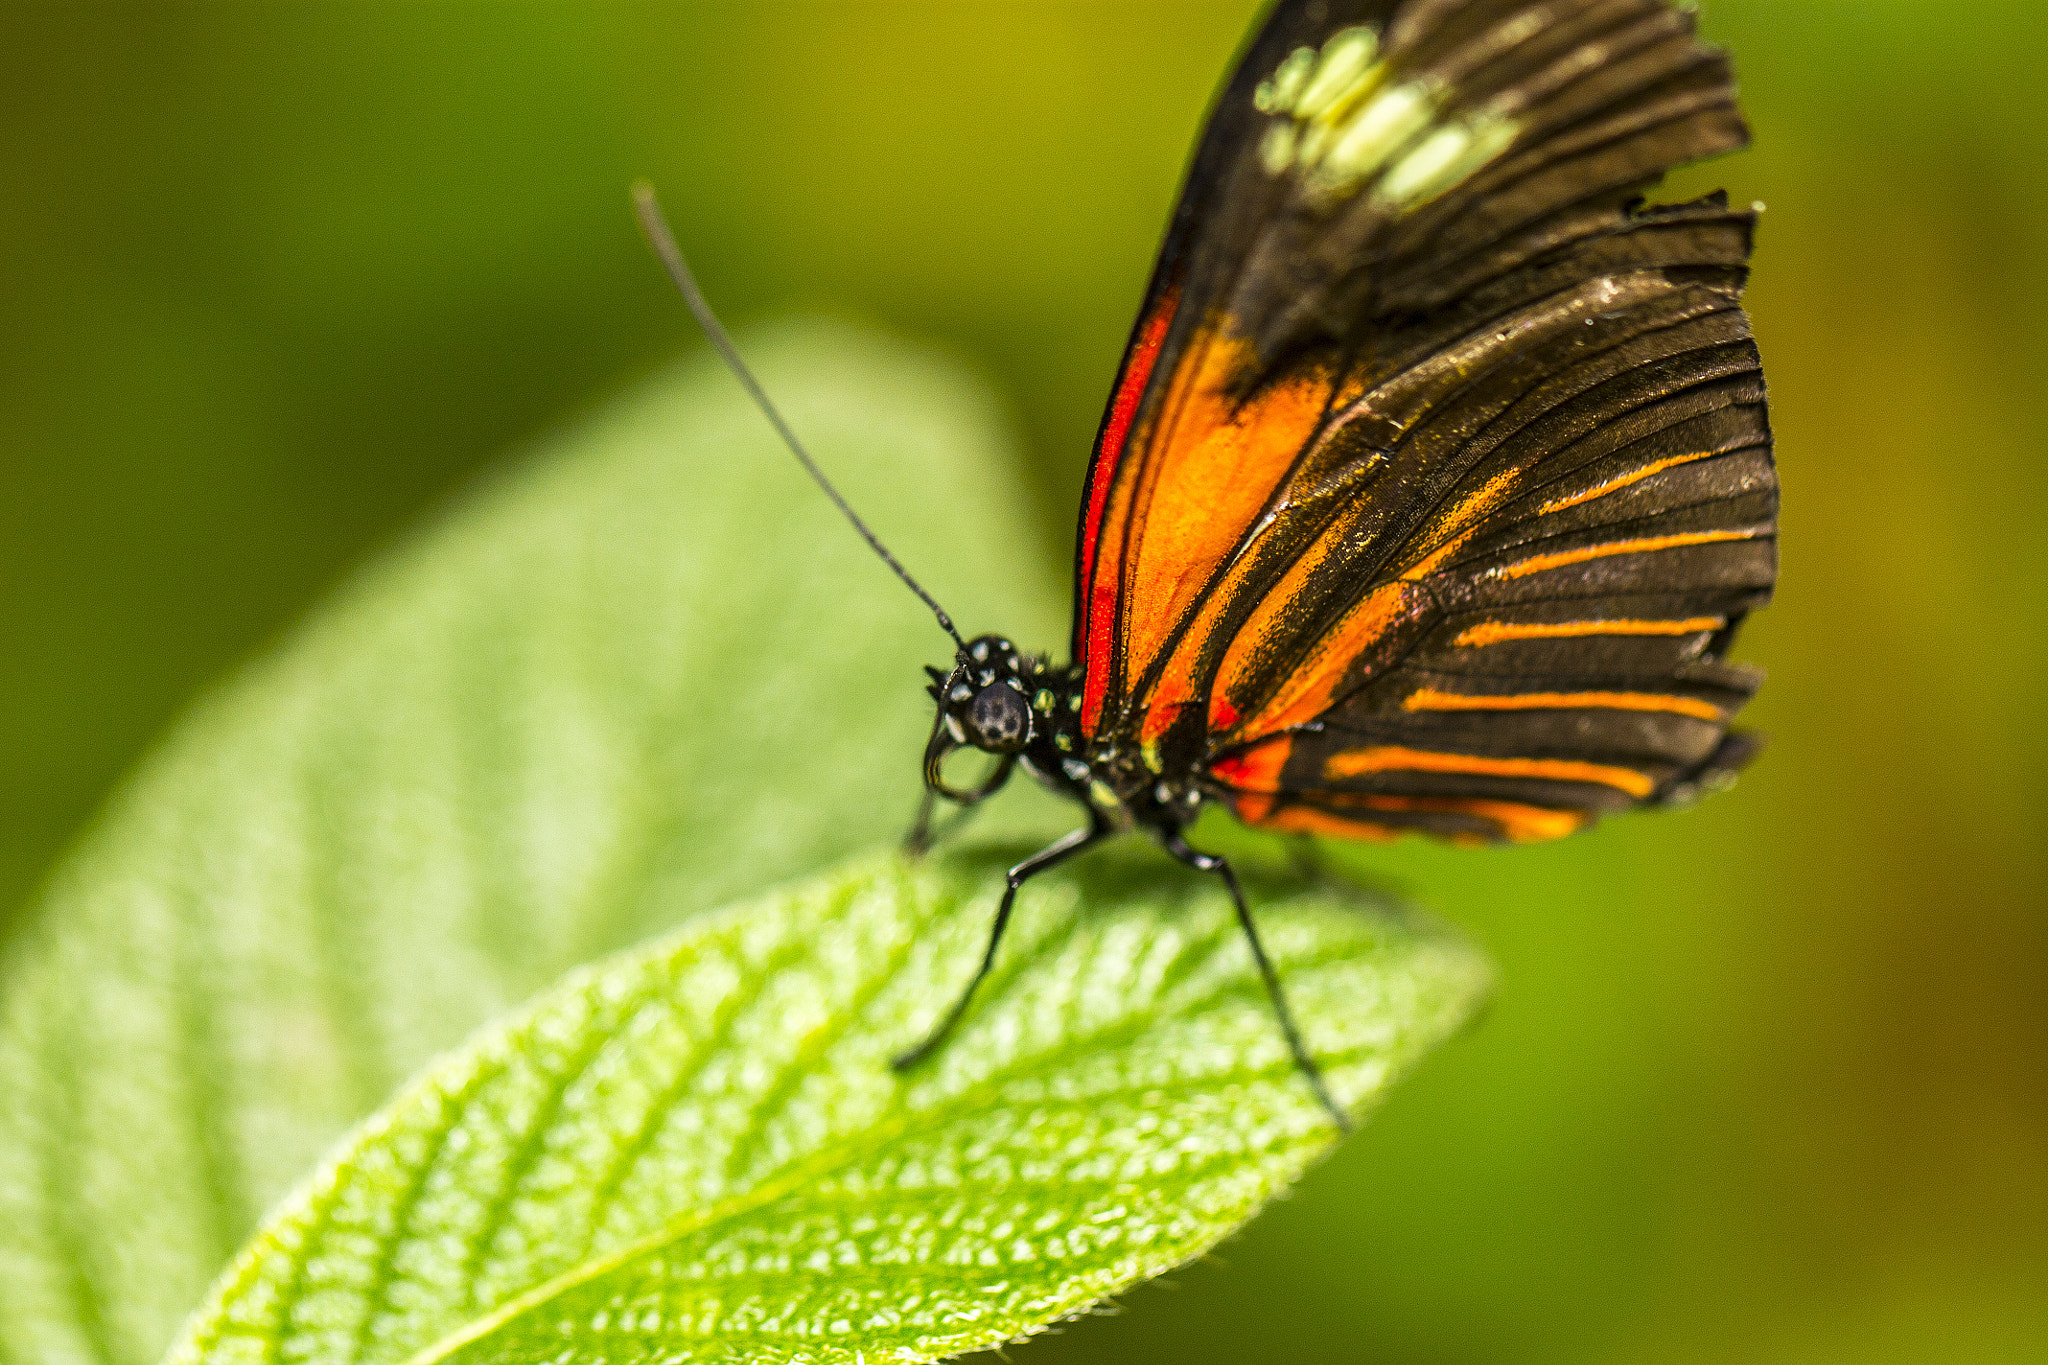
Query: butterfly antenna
[{"x": 664, "y": 243}]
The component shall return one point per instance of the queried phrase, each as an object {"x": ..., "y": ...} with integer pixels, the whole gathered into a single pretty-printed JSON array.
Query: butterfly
[{"x": 1437, "y": 475}]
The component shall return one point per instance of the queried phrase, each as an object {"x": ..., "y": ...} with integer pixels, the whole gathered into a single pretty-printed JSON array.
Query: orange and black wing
[{"x": 1438, "y": 474}]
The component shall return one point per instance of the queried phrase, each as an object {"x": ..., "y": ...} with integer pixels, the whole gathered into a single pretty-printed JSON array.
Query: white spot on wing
[{"x": 1338, "y": 124}]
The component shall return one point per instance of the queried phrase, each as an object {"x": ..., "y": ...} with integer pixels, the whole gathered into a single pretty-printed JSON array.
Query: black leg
[
  {"x": 1050, "y": 856},
  {"x": 1209, "y": 862},
  {"x": 918, "y": 842},
  {"x": 928, "y": 833},
  {"x": 936, "y": 832}
]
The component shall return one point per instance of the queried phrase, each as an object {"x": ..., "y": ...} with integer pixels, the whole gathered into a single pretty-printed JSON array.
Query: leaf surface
[
  {"x": 645, "y": 672},
  {"x": 697, "y": 1151}
]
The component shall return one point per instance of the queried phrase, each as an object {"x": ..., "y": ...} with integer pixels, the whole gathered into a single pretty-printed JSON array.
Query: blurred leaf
[
  {"x": 697, "y": 1150},
  {"x": 648, "y": 673}
]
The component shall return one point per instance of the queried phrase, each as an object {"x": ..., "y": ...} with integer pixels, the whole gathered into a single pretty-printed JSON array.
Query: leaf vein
[
  {"x": 384, "y": 1270},
  {"x": 531, "y": 1147},
  {"x": 624, "y": 1162},
  {"x": 802, "y": 1061},
  {"x": 973, "y": 1101}
]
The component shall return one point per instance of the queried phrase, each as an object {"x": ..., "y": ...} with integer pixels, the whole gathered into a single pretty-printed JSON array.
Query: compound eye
[{"x": 1000, "y": 719}]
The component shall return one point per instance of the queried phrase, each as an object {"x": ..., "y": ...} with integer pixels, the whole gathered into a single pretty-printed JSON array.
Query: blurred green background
[{"x": 1767, "y": 1081}]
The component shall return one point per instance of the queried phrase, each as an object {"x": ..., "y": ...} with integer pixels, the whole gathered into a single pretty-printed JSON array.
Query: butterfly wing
[{"x": 1438, "y": 474}]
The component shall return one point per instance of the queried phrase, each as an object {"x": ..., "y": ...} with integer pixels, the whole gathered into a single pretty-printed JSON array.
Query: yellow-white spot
[
  {"x": 1277, "y": 151},
  {"x": 1315, "y": 140},
  {"x": 1278, "y": 95},
  {"x": 1444, "y": 160},
  {"x": 1378, "y": 131},
  {"x": 1430, "y": 158},
  {"x": 1339, "y": 125},
  {"x": 1345, "y": 64}
]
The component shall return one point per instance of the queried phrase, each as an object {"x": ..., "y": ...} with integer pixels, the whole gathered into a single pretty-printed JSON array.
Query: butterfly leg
[
  {"x": 919, "y": 841},
  {"x": 922, "y": 834},
  {"x": 1209, "y": 862},
  {"x": 927, "y": 830},
  {"x": 1052, "y": 855}
]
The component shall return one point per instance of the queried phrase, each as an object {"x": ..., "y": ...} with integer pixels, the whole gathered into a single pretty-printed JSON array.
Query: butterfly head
[{"x": 985, "y": 701}]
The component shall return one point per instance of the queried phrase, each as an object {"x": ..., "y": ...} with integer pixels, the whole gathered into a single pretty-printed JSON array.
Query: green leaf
[
  {"x": 647, "y": 672},
  {"x": 697, "y": 1150}
]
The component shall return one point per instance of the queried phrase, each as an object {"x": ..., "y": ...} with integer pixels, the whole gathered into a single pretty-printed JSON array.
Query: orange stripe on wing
[
  {"x": 1213, "y": 462},
  {"x": 1309, "y": 689},
  {"x": 1193, "y": 666},
  {"x": 1429, "y": 699},
  {"x": 1392, "y": 758},
  {"x": 1615, "y": 485},
  {"x": 1181, "y": 677},
  {"x": 1495, "y": 632},
  {"x": 1309, "y": 820},
  {"x": 1518, "y": 822},
  {"x": 1522, "y": 568},
  {"x": 1460, "y": 524}
]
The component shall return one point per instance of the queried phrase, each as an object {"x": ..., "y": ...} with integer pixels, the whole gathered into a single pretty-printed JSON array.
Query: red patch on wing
[
  {"x": 1256, "y": 769},
  {"x": 1099, "y": 599}
]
